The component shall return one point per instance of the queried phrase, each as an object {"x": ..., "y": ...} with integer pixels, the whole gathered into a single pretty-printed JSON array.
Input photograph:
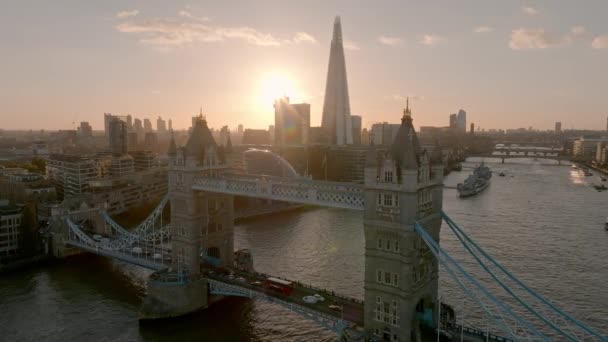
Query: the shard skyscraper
[{"x": 336, "y": 108}]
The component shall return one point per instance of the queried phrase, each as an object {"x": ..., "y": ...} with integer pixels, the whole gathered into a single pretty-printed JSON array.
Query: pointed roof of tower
[
  {"x": 406, "y": 148},
  {"x": 200, "y": 138},
  {"x": 172, "y": 147}
]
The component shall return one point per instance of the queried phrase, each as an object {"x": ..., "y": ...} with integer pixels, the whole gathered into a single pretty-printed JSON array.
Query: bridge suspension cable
[
  {"x": 497, "y": 311},
  {"x": 577, "y": 330},
  {"x": 142, "y": 231}
]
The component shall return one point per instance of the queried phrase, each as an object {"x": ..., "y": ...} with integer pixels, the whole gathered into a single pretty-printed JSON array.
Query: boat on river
[{"x": 476, "y": 182}]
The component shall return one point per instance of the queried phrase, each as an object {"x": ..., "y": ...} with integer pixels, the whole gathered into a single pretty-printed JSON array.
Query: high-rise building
[
  {"x": 150, "y": 140},
  {"x": 161, "y": 125},
  {"x": 607, "y": 123},
  {"x": 106, "y": 123},
  {"x": 472, "y": 131},
  {"x": 383, "y": 133},
  {"x": 137, "y": 125},
  {"x": 356, "y": 125},
  {"x": 147, "y": 125},
  {"x": 271, "y": 132},
  {"x": 365, "y": 137},
  {"x": 336, "y": 106},
  {"x": 133, "y": 141},
  {"x": 117, "y": 137},
  {"x": 224, "y": 134},
  {"x": 558, "y": 127},
  {"x": 291, "y": 122},
  {"x": 452, "y": 120},
  {"x": 129, "y": 122},
  {"x": 170, "y": 125},
  {"x": 240, "y": 129},
  {"x": 461, "y": 121},
  {"x": 85, "y": 129}
]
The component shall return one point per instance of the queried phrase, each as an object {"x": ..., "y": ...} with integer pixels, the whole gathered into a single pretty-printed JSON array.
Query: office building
[
  {"x": 291, "y": 122},
  {"x": 558, "y": 127},
  {"x": 256, "y": 137},
  {"x": 240, "y": 129},
  {"x": 365, "y": 137},
  {"x": 70, "y": 174},
  {"x": 122, "y": 165},
  {"x": 11, "y": 217},
  {"x": 85, "y": 129},
  {"x": 147, "y": 126},
  {"x": 161, "y": 125},
  {"x": 117, "y": 137},
  {"x": 224, "y": 134},
  {"x": 383, "y": 133},
  {"x": 133, "y": 141},
  {"x": 461, "y": 121},
  {"x": 151, "y": 140},
  {"x": 586, "y": 149},
  {"x": 356, "y": 125},
  {"x": 452, "y": 121},
  {"x": 336, "y": 106},
  {"x": 106, "y": 123},
  {"x": 143, "y": 160}
]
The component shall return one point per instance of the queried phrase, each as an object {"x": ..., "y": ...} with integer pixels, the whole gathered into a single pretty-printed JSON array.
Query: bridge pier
[{"x": 171, "y": 295}]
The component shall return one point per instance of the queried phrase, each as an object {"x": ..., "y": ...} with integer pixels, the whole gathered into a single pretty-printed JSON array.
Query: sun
[{"x": 274, "y": 85}]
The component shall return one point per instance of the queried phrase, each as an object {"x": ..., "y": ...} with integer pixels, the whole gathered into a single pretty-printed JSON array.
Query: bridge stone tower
[
  {"x": 201, "y": 222},
  {"x": 403, "y": 186},
  {"x": 201, "y": 228}
]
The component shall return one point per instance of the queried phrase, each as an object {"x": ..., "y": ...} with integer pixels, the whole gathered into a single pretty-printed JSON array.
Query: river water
[{"x": 543, "y": 222}]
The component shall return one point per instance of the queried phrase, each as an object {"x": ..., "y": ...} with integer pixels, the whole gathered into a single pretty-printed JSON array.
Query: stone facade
[{"x": 401, "y": 274}]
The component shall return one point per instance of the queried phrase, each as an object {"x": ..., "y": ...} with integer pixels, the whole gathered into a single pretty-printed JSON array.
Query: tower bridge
[{"x": 401, "y": 200}]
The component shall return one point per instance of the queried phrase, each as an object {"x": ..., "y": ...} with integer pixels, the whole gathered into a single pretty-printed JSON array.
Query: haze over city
[{"x": 508, "y": 64}]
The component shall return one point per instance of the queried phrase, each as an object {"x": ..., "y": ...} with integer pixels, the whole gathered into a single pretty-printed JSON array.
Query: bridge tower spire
[{"x": 402, "y": 187}]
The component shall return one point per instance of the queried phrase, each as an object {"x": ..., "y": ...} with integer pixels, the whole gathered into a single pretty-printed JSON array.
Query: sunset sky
[{"x": 507, "y": 63}]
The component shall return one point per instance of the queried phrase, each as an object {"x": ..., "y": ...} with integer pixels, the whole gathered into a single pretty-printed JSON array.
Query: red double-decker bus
[{"x": 280, "y": 285}]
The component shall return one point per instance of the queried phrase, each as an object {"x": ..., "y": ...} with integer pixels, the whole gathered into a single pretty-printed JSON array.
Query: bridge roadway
[{"x": 352, "y": 309}]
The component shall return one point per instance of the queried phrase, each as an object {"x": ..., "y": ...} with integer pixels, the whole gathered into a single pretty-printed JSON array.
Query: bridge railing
[
  {"x": 308, "y": 286},
  {"x": 472, "y": 331}
]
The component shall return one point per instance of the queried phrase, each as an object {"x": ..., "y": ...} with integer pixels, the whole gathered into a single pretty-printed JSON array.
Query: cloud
[
  {"x": 126, "y": 14},
  {"x": 304, "y": 37},
  {"x": 184, "y": 13},
  {"x": 349, "y": 45},
  {"x": 392, "y": 41},
  {"x": 530, "y": 10},
  {"x": 483, "y": 29},
  {"x": 600, "y": 42},
  {"x": 171, "y": 32},
  {"x": 431, "y": 39},
  {"x": 530, "y": 39}
]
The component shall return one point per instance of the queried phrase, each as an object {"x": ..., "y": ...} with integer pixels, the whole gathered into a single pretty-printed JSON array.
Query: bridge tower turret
[{"x": 402, "y": 186}]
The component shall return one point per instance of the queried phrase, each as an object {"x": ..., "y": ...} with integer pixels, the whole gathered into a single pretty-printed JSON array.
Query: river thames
[{"x": 543, "y": 222}]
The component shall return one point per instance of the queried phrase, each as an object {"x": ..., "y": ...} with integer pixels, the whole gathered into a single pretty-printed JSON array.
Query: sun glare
[{"x": 273, "y": 86}]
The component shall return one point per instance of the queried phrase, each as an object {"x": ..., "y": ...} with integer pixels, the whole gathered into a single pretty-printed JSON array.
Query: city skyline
[{"x": 509, "y": 65}]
